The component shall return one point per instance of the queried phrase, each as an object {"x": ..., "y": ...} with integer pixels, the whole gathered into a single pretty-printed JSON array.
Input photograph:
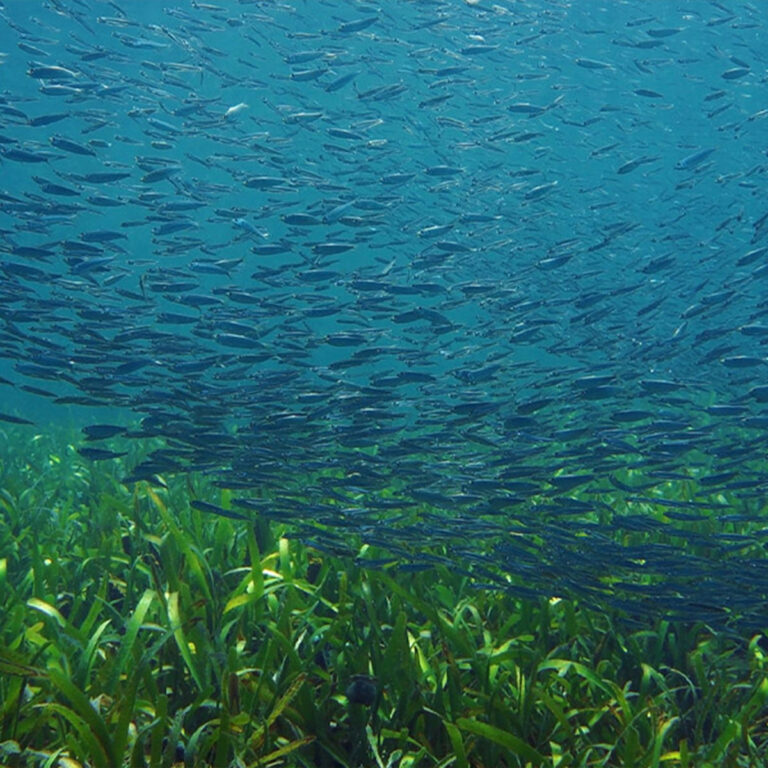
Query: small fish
[
  {"x": 160, "y": 174},
  {"x": 235, "y": 110},
  {"x": 26, "y": 156},
  {"x": 524, "y": 108},
  {"x": 692, "y": 161},
  {"x": 338, "y": 83},
  {"x": 60, "y": 142},
  {"x": 742, "y": 361},
  {"x": 539, "y": 191},
  {"x": 265, "y": 182},
  {"x": 443, "y": 170},
  {"x": 331, "y": 248},
  {"x": 632, "y": 165},
  {"x": 646, "y": 93},
  {"x": 103, "y": 177},
  {"x": 247, "y": 226},
  {"x": 42, "y": 120},
  {"x": 663, "y": 32},
  {"x": 10, "y": 419},
  {"x": 735, "y": 73},
  {"x": 205, "y": 506},
  {"x": 50, "y": 72},
  {"x": 358, "y": 25},
  {"x": 301, "y": 219},
  {"x": 102, "y": 431},
  {"x": 593, "y": 64},
  {"x": 100, "y": 454}
]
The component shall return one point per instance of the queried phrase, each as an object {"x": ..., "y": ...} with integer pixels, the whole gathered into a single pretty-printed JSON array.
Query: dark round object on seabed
[{"x": 362, "y": 689}]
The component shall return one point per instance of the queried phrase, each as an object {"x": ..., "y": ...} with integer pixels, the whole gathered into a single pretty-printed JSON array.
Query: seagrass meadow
[
  {"x": 383, "y": 384},
  {"x": 137, "y": 630}
]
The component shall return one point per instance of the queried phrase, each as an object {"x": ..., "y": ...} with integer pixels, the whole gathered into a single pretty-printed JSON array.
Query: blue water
[{"x": 523, "y": 217}]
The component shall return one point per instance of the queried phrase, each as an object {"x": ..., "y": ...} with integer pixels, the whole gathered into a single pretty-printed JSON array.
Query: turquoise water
[{"x": 489, "y": 275}]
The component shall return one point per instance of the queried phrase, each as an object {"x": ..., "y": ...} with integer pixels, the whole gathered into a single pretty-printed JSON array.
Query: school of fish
[{"x": 487, "y": 275}]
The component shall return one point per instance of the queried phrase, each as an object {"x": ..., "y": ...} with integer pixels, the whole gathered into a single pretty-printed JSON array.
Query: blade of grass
[
  {"x": 457, "y": 744},
  {"x": 282, "y": 751},
  {"x": 174, "y": 616},
  {"x": 277, "y": 710},
  {"x": 561, "y": 666},
  {"x": 503, "y": 738},
  {"x": 131, "y": 631},
  {"x": 85, "y": 718},
  {"x": 86, "y": 659}
]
